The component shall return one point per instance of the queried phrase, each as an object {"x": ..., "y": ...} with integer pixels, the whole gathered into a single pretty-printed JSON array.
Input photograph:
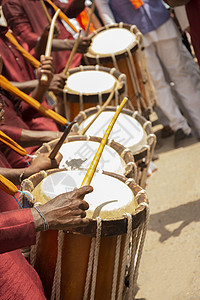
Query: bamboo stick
[
  {"x": 45, "y": 11},
  {"x": 12, "y": 144},
  {"x": 44, "y": 77},
  {"x": 90, "y": 18},
  {"x": 55, "y": 150},
  {"x": 6, "y": 85},
  {"x": 62, "y": 16},
  {"x": 83, "y": 131},
  {"x": 72, "y": 53},
  {"x": 92, "y": 168}
]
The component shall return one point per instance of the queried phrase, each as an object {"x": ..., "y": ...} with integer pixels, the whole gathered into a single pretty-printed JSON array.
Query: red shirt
[
  {"x": 15, "y": 66},
  {"x": 18, "y": 280},
  {"x": 27, "y": 19}
]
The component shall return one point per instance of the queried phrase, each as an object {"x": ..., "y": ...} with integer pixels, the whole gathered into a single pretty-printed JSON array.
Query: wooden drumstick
[
  {"x": 45, "y": 11},
  {"x": 62, "y": 15},
  {"x": 6, "y": 85},
  {"x": 92, "y": 168},
  {"x": 90, "y": 18},
  {"x": 55, "y": 150},
  {"x": 83, "y": 131},
  {"x": 12, "y": 144},
  {"x": 7, "y": 186},
  {"x": 44, "y": 77},
  {"x": 72, "y": 53}
]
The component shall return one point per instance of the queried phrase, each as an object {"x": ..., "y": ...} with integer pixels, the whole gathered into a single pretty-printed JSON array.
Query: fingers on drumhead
[{"x": 85, "y": 190}]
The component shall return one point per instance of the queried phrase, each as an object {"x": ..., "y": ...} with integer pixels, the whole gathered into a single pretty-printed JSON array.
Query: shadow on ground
[{"x": 185, "y": 214}]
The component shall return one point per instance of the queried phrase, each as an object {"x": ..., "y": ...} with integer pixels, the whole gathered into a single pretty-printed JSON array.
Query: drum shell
[
  {"x": 74, "y": 101},
  {"x": 123, "y": 152},
  {"x": 144, "y": 98},
  {"x": 143, "y": 156},
  {"x": 76, "y": 247}
]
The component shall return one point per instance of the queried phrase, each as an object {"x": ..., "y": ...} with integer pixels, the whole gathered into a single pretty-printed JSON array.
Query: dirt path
[{"x": 170, "y": 264}]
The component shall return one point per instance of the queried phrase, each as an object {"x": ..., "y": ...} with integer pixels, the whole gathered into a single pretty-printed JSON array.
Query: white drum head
[
  {"x": 90, "y": 82},
  {"x": 112, "y": 41},
  {"x": 79, "y": 155},
  {"x": 127, "y": 131},
  {"x": 110, "y": 199}
]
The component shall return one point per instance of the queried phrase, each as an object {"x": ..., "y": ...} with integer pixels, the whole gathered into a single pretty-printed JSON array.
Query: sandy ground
[{"x": 170, "y": 264}]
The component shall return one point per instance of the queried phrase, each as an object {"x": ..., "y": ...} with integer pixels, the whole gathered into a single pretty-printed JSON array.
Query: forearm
[
  {"x": 36, "y": 138},
  {"x": 61, "y": 45},
  {"x": 39, "y": 92},
  {"x": 26, "y": 86}
]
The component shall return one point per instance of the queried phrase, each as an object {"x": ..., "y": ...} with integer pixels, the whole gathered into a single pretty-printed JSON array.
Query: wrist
[{"x": 40, "y": 221}]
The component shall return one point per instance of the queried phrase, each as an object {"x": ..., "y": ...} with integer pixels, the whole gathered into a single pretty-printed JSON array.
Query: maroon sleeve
[
  {"x": 13, "y": 132},
  {"x": 17, "y": 230},
  {"x": 18, "y": 20}
]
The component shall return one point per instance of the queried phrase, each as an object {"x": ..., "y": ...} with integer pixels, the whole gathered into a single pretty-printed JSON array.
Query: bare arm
[
  {"x": 42, "y": 162},
  {"x": 61, "y": 45},
  {"x": 26, "y": 86},
  {"x": 31, "y": 138}
]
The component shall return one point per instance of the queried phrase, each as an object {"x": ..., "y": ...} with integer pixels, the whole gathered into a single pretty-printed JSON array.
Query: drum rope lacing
[
  {"x": 93, "y": 262},
  {"x": 116, "y": 267},
  {"x": 55, "y": 293}
]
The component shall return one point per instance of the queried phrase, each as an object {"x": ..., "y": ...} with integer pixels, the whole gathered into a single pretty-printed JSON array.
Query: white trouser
[{"x": 168, "y": 52}]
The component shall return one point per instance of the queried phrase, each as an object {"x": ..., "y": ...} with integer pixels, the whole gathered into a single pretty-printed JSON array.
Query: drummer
[
  {"x": 27, "y": 20},
  {"x": 27, "y": 132},
  {"x": 18, "y": 229}
]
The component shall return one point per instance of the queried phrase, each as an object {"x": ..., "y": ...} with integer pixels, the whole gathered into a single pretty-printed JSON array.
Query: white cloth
[
  {"x": 168, "y": 52},
  {"x": 181, "y": 16}
]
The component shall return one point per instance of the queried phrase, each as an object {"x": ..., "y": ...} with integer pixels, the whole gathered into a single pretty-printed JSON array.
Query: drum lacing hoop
[
  {"x": 135, "y": 114},
  {"x": 93, "y": 262},
  {"x": 146, "y": 163},
  {"x": 57, "y": 275},
  {"x": 83, "y": 114},
  {"x": 47, "y": 146},
  {"x": 145, "y": 124},
  {"x": 134, "y": 169},
  {"x": 125, "y": 253}
]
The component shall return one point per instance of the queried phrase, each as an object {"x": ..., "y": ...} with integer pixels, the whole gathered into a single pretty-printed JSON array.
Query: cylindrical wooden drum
[
  {"x": 78, "y": 152},
  {"x": 92, "y": 262},
  {"x": 131, "y": 130},
  {"x": 121, "y": 45},
  {"x": 88, "y": 86}
]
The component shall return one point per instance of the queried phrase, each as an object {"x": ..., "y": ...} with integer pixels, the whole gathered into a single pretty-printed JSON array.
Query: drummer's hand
[
  {"x": 84, "y": 44},
  {"x": 58, "y": 82},
  {"x": 46, "y": 68},
  {"x": 66, "y": 211},
  {"x": 42, "y": 162}
]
